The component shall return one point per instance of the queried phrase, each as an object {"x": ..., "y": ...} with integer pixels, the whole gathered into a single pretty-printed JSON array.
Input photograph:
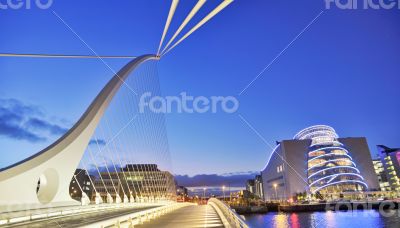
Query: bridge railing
[
  {"x": 228, "y": 216},
  {"x": 26, "y": 216}
]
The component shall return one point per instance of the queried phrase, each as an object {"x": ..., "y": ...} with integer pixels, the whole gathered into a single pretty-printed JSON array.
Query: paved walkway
[{"x": 190, "y": 216}]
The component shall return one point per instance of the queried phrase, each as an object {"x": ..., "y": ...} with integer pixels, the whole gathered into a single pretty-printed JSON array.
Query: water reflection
[
  {"x": 294, "y": 220},
  {"x": 330, "y": 219}
]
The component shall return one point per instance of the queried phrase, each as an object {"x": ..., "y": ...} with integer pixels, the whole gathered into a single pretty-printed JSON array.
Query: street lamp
[
  {"x": 223, "y": 190},
  {"x": 204, "y": 193},
  {"x": 276, "y": 194}
]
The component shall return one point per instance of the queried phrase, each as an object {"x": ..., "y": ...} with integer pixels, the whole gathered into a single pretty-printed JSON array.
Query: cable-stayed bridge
[{"x": 112, "y": 168}]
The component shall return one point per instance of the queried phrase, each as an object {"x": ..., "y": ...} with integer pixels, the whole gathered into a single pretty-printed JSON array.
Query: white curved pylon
[{"x": 55, "y": 165}]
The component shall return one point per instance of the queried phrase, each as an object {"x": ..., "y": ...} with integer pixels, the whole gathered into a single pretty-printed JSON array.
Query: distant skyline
[{"x": 342, "y": 71}]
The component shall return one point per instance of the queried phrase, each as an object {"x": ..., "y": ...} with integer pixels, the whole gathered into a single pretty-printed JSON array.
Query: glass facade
[
  {"x": 330, "y": 167},
  {"x": 382, "y": 178},
  {"x": 390, "y": 158}
]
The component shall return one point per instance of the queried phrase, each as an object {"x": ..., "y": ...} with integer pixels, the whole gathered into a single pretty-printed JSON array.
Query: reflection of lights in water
[
  {"x": 260, "y": 218},
  {"x": 281, "y": 220},
  {"x": 330, "y": 219},
  {"x": 294, "y": 221},
  {"x": 313, "y": 221}
]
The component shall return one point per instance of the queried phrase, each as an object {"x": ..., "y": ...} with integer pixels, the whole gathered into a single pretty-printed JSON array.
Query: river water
[{"x": 351, "y": 219}]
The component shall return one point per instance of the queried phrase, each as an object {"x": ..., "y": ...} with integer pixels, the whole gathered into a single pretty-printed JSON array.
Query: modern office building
[
  {"x": 259, "y": 187},
  {"x": 250, "y": 186},
  {"x": 390, "y": 158},
  {"x": 80, "y": 182},
  {"x": 142, "y": 181},
  {"x": 318, "y": 163},
  {"x": 182, "y": 191},
  {"x": 381, "y": 174},
  {"x": 255, "y": 187}
]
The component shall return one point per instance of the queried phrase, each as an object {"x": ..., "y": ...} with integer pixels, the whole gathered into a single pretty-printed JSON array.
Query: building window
[{"x": 279, "y": 169}]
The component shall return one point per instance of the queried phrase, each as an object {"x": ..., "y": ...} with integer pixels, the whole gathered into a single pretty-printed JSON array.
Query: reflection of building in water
[
  {"x": 139, "y": 180},
  {"x": 320, "y": 163}
]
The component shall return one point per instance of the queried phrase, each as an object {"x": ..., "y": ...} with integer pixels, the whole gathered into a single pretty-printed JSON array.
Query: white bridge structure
[
  {"x": 36, "y": 191},
  {"x": 54, "y": 167}
]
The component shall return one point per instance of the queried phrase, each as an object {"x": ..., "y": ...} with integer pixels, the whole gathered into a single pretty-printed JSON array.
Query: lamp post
[
  {"x": 276, "y": 194},
  {"x": 223, "y": 190},
  {"x": 230, "y": 195},
  {"x": 204, "y": 193}
]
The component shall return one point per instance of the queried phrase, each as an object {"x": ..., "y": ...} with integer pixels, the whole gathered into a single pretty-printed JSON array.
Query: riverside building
[
  {"x": 320, "y": 164},
  {"x": 390, "y": 159}
]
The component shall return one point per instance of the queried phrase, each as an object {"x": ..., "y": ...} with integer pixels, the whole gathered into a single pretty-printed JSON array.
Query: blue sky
[{"x": 342, "y": 71}]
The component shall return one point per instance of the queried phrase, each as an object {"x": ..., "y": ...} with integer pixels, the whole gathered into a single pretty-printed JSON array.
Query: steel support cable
[
  {"x": 109, "y": 174},
  {"x": 97, "y": 168},
  {"x": 122, "y": 106},
  {"x": 90, "y": 178},
  {"x": 151, "y": 125},
  {"x": 171, "y": 13},
  {"x": 65, "y": 56},
  {"x": 125, "y": 143},
  {"x": 159, "y": 135},
  {"x": 164, "y": 132},
  {"x": 126, "y": 179},
  {"x": 112, "y": 152},
  {"x": 128, "y": 155},
  {"x": 188, "y": 18},
  {"x": 156, "y": 132},
  {"x": 135, "y": 170},
  {"x": 125, "y": 175},
  {"x": 162, "y": 138},
  {"x": 79, "y": 185},
  {"x": 105, "y": 163},
  {"x": 160, "y": 132},
  {"x": 140, "y": 167},
  {"x": 112, "y": 156},
  {"x": 142, "y": 172},
  {"x": 118, "y": 138},
  {"x": 122, "y": 169},
  {"x": 213, "y": 13},
  {"x": 146, "y": 128}
]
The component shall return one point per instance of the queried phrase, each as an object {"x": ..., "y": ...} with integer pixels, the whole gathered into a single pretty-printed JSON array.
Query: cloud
[
  {"x": 38, "y": 124},
  {"x": 16, "y": 132},
  {"x": 25, "y": 122},
  {"x": 234, "y": 180},
  {"x": 100, "y": 142},
  {"x": 103, "y": 169}
]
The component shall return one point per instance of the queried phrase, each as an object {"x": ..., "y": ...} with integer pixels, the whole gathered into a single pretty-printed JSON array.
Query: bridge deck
[
  {"x": 191, "y": 216},
  {"x": 79, "y": 220}
]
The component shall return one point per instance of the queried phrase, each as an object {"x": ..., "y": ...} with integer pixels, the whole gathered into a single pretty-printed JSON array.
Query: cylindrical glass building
[{"x": 330, "y": 167}]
